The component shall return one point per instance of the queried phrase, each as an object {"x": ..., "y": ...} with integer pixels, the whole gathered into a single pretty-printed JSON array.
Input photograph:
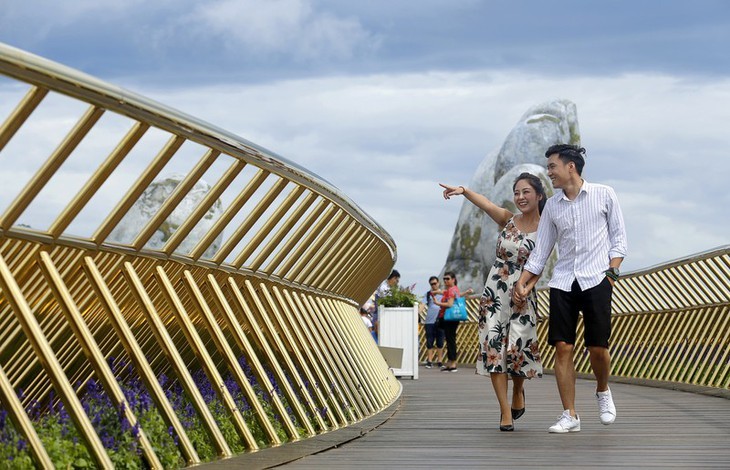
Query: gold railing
[
  {"x": 670, "y": 323},
  {"x": 235, "y": 336}
]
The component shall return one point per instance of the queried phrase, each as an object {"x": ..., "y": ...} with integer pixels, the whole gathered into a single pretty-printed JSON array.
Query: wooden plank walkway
[{"x": 450, "y": 420}]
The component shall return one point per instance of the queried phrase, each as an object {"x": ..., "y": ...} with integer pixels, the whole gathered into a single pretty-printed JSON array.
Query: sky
[{"x": 386, "y": 99}]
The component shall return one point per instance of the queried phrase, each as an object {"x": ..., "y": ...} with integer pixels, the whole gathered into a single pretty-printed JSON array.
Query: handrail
[
  {"x": 671, "y": 323},
  {"x": 204, "y": 344}
]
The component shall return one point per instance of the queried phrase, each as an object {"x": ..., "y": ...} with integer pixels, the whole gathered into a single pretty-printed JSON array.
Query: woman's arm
[
  {"x": 449, "y": 302},
  {"x": 500, "y": 215}
]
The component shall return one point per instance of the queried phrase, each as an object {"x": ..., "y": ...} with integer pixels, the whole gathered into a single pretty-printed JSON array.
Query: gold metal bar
[
  {"x": 292, "y": 241},
  {"x": 675, "y": 351},
  {"x": 349, "y": 283},
  {"x": 172, "y": 201},
  {"x": 354, "y": 333},
  {"x": 53, "y": 368},
  {"x": 51, "y": 165},
  {"x": 229, "y": 213},
  {"x": 337, "y": 330},
  {"x": 234, "y": 327},
  {"x": 706, "y": 332},
  {"x": 293, "y": 369},
  {"x": 312, "y": 247},
  {"x": 265, "y": 229},
  {"x": 199, "y": 212},
  {"x": 126, "y": 338},
  {"x": 178, "y": 365},
  {"x": 313, "y": 313},
  {"x": 229, "y": 357},
  {"x": 22, "y": 422},
  {"x": 294, "y": 401},
  {"x": 366, "y": 263},
  {"x": 93, "y": 353},
  {"x": 250, "y": 220},
  {"x": 319, "y": 360},
  {"x": 721, "y": 356},
  {"x": 131, "y": 346},
  {"x": 198, "y": 347},
  {"x": 20, "y": 114},
  {"x": 344, "y": 250},
  {"x": 283, "y": 230},
  {"x": 139, "y": 186},
  {"x": 308, "y": 361},
  {"x": 343, "y": 262},
  {"x": 273, "y": 362},
  {"x": 97, "y": 179},
  {"x": 328, "y": 251}
]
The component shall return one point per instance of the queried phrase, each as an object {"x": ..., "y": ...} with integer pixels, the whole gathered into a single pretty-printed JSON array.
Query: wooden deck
[{"x": 449, "y": 420}]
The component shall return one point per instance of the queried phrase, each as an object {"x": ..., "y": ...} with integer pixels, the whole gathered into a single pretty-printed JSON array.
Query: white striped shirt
[{"x": 589, "y": 231}]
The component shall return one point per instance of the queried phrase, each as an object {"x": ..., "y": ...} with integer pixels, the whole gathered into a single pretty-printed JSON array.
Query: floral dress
[{"x": 508, "y": 336}]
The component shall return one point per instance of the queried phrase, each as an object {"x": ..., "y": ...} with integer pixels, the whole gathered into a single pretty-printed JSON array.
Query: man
[
  {"x": 586, "y": 222},
  {"x": 434, "y": 335}
]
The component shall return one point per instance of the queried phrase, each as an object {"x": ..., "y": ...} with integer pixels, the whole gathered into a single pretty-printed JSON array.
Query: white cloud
[
  {"x": 287, "y": 27},
  {"x": 387, "y": 140}
]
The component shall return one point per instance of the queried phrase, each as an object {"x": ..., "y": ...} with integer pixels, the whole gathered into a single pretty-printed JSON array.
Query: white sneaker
[
  {"x": 566, "y": 423},
  {"x": 606, "y": 408}
]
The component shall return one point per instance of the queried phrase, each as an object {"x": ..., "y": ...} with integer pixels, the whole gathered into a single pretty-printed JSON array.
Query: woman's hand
[{"x": 452, "y": 190}]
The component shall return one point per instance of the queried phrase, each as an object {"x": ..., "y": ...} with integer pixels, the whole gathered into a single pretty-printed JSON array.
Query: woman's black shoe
[
  {"x": 517, "y": 414},
  {"x": 505, "y": 427}
]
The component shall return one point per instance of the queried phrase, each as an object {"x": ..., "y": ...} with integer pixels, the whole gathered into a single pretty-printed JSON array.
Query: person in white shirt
[
  {"x": 365, "y": 316},
  {"x": 382, "y": 291},
  {"x": 586, "y": 222}
]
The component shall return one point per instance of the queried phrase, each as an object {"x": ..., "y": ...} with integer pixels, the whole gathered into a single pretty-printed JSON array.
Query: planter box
[{"x": 399, "y": 329}]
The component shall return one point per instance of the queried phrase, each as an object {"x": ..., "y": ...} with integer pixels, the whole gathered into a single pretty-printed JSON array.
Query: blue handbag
[{"x": 457, "y": 312}]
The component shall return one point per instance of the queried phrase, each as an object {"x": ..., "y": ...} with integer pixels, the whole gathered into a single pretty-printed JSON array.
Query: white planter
[{"x": 399, "y": 329}]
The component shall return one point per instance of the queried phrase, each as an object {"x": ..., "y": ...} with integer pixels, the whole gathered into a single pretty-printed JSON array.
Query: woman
[
  {"x": 508, "y": 332},
  {"x": 449, "y": 327}
]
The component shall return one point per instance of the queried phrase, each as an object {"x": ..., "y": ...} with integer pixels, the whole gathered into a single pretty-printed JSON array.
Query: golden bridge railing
[
  {"x": 230, "y": 329},
  {"x": 670, "y": 323}
]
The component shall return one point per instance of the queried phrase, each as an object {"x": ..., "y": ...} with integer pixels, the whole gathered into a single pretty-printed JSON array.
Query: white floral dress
[{"x": 507, "y": 336}]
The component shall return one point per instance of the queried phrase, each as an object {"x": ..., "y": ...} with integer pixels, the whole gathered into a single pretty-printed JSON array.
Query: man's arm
[{"x": 616, "y": 230}]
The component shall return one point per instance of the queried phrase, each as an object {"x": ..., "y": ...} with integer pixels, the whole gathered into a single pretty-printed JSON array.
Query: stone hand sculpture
[{"x": 472, "y": 250}]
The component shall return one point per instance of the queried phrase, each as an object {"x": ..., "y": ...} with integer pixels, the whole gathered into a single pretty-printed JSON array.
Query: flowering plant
[{"x": 399, "y": 296}]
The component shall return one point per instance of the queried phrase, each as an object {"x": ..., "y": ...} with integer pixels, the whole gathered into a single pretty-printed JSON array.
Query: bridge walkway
[{"x": 450, "y": 420}]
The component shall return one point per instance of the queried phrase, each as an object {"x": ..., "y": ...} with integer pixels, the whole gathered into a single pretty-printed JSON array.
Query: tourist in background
[
  {"x": 434, "y": 334},
  {"x": 508, "y": 332},
  {"x": 586, "y": 222},
  {"x": 365, "y": 316},
  {"x": 449, "y": 327},
  {"x": 382, "y": 291}
]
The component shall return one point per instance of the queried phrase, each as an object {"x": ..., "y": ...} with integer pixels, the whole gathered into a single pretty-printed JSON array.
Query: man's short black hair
[
  {"x": 393, "y": 274},
  {"x": 569, "y": 153}
]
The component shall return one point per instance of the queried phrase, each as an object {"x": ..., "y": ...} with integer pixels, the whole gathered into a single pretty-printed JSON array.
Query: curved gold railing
[
  {"x": 670, "y": 323},
  {"x": 170, "y": 339}
]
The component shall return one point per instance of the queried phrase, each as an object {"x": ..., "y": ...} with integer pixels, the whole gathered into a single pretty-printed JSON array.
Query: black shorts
[{"x": 595, "y": 303}]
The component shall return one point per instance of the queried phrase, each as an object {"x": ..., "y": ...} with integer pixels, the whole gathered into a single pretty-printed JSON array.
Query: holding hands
[{"x": 519, "y": 294}]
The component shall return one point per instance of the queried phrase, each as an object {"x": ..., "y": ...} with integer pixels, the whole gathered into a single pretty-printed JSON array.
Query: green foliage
[{"x": 398, "y": 297}]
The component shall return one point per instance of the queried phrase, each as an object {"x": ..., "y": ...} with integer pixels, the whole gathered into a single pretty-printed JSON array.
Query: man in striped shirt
[{"x": 586, "y": 222}]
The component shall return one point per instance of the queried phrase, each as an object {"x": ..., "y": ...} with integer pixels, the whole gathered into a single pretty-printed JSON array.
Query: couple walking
[{"x": 585, "y": 221}]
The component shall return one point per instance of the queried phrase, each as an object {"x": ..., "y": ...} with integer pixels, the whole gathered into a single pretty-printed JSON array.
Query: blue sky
[{"x": 385, "y": 99}]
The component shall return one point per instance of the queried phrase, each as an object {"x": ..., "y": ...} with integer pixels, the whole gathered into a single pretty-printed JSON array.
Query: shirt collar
[{"x": 584, "y": 188}]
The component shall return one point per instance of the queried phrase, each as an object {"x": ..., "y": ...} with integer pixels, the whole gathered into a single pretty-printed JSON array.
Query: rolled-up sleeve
[{"x": 616, "y": 228}]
